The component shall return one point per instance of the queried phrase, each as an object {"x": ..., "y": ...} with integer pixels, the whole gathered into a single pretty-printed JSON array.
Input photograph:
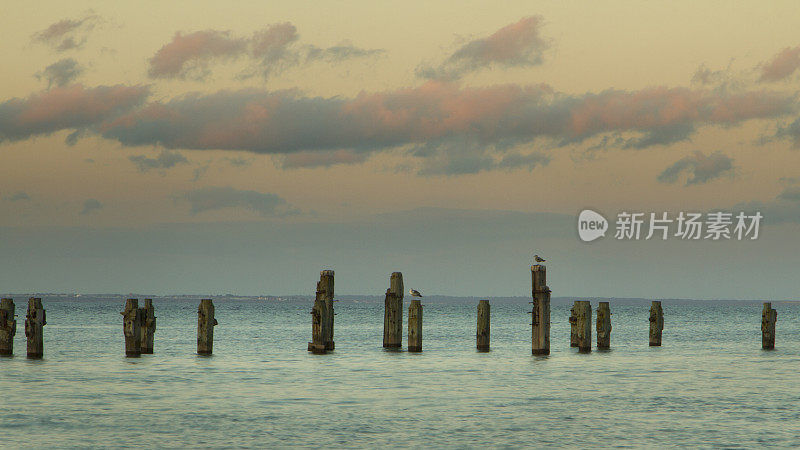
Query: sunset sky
[{"x": 208, "y": 147}]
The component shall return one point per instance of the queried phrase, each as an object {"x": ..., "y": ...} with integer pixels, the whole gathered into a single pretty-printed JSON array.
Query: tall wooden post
[
  {"x": 573, "y": 325},
  {"x": 8, "y": 327},
  {"x": 603, "y": 326},
  {"x": 415, "y": 326},
  {"x": 584, "y": 325},
  {"x": 35, "y": 320},
  {"x": 325, "y": 289},
  {"x": 132, "y": 327},
  {"x": 656, "y": 323},
  {"x": 205, "y": 327},
  {"x": 540, "y": 313},
  {"x": 484, "y": 318},
  {"x": 318, "y": 313},
  {"x": 768, "y": 318},
  {"x": 393, "y": 312},
  {"x": 148, "y": 326}
]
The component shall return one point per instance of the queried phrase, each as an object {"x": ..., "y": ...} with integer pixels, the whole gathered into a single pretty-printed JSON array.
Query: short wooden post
[
  {"x": 35, "y": 320},
  {"x": 393, "y": 312},
  {"x": 8, "y": 327},
  {"x": 768, "y": 318},
  {"x": 656, "y": 323},
  {"x": 325, "y": 289},
  {"x": 584, "y": 325},
  {"x": 132, "y": 327},
  {"x": 148, "y": 326},
  {"x": 484, "y": 313},
  {"x": 573, "y": 325},
  {"x": 415, "y": 326},
  {"x": 540, "y": 313},
  {"x": 205, "y": 327},
  {"x": 603, "y": 326}
]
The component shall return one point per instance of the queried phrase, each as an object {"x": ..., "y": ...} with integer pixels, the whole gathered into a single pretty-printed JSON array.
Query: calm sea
[{"x": 710, "y": 385}]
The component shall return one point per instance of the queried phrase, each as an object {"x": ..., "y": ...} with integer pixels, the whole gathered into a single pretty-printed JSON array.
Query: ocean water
[{"x": 709, "y": 385}]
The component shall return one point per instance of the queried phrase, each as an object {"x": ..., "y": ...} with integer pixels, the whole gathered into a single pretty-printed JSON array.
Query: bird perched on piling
[
  {"x": 414, "y": 293},
  {"x": 538, "y": 259}
]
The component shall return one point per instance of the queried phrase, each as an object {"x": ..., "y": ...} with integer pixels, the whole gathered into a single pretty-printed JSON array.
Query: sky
[{"x": 202, "y": 147}]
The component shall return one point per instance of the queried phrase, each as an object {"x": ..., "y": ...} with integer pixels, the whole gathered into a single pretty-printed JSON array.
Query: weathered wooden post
[
  {"x": 415, "y": 326},
  {"x": 8, "y": 327},
  {"x": 132, "y": 327},
  {"x": 148, "y": 326},
  {"x": 656, "y": 323},
  {"x": 393, "y": 312},
  {"x": 484, "y": 313},
  {"x": 205, "y": 327},
  {"x": 768, "y": 318},
  {"x": 540, "y": 313},
  {"x": 35, "y": 320},
  {"x": 603, "y": 326},
  {"x": 584, "y": 325},
  {"x": 325, "y": 289},
  {"x": 318, "y": 315},
  {"x": 573, "y": 325}
]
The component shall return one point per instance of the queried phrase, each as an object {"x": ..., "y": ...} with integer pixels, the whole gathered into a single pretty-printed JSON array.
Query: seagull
[
  {"x": 414, "y": 293},
  {"x": 538, "y": 259}
]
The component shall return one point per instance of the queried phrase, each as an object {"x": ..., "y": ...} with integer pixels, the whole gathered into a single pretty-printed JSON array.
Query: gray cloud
[
  {"x": 791, "y": 193},
  {"x": 516, "y": 45},
  {"x": 18, "y": 196},
  {"x": 221, "y": 197},
  {"x": 340, "y": 52},
  {"x": 165, "y": 160},
  {"x": 269, "y": 50},
  {"x": 239, "y": 162},
  {"x": 67, "y": 107},
  {"x": 67, "y": 34},
  {"x": 698, "y": 167},
  {"x": 61, "y": 72},
  {"x": 91, "y": 205}
]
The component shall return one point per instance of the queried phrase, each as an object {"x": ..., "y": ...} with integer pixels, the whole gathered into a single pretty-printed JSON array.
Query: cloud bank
[
  {"x": 221, "y": 197},
  {"x": 782, "y": 65}
]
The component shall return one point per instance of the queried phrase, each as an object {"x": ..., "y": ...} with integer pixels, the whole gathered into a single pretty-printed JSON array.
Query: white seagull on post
[{"x": 414, "y": 293}]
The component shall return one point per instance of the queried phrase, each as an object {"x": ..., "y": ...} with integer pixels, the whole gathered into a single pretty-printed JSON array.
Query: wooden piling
[
  {"x": 540, "y": 313},
  {"x": 8, "y": 327},
  {"x": 35, "y": 320},
  {"x": 573, "y": 325},
  {"x": 768, "y": 318},
  {"x": 205, "y": 327},
  {"x": 583, "y": 316},
  {"x": 656, "y": 323},
  {"x": 318, "y": 318},
  {"x": 325, "y": 289},
  {"x": 148, "y": 326},
  {"x": 603, "y": 326},
  {"x": 393, "y": 312},
  {"x": 132, "y": 327},
  {"x": 484, "y": 322},
  {"x": 415, "y": 326}
]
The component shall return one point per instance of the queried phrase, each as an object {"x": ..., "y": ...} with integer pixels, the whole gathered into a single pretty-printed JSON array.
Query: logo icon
[{"x": 591, "y": 225}]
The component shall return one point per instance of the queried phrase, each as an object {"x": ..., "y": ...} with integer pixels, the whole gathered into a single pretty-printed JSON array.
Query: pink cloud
[
  {"x": 67, "y": 107},
  {"x": 782, "y": 65},
  {"x": 519, "y": 44},
  {"x": 190, "y": 52}
]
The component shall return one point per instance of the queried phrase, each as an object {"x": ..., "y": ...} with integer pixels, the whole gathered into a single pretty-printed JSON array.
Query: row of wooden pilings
[{"x": 139, "y": 324}]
